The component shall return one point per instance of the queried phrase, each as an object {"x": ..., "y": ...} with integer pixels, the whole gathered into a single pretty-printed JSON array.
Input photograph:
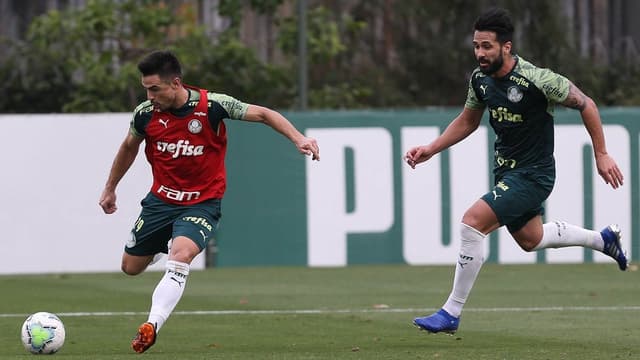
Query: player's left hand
[
  {"x": 609, "y": 171},
  {"x": 309, "y": 146},
  {"x": 417, "y": 155}
]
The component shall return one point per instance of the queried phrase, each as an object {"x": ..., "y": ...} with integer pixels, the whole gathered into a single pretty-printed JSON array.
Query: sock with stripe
[{"x": 168, "y": 292}]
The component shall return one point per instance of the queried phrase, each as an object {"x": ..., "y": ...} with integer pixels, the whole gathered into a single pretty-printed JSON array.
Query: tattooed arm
[
  {"x": 607, "y": 167},
  {"x": 578, "y": 100}
]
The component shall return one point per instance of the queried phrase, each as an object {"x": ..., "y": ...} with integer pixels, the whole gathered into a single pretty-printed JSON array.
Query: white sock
[
  {"x": 559, "y": 234},
  {"x": 469, "y": 263},
  {"x": 157, "y": 257},
  {"x": 168, "y": 292}
]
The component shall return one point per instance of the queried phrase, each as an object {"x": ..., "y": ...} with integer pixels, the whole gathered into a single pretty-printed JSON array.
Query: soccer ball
[{"x": 43, "y": 333}]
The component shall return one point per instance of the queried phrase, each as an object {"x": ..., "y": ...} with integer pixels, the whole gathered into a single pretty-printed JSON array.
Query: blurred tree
[
  {"x": 623, "y": 85},
  {"x": 362, "y": 53},
  {"x": 433, "y": 42},
  {"x": 329, "y": 41},
  {"x": 84, "y": 59},
  {"x": 235, "y": 69},
  {"x": 80, "y": 59}
]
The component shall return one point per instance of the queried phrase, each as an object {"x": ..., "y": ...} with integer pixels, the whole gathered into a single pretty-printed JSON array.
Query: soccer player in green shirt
[{"x": 520, "y": 98}]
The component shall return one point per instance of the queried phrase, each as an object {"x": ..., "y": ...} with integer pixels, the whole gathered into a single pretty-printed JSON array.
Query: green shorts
[
  {"x": 160, "y": 222},
  {"x": 518, "y": 196}
]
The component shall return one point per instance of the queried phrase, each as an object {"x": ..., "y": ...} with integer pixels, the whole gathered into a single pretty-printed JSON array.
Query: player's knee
[
  {"x": 527, "y": 246},
  {"x": 527, "y": 243},
  {"x": 184, "y": 251},
  {"x": 182, "y": 256},
  {"x": 130, "y": 269},
  {"x": 469, "y": 219}
]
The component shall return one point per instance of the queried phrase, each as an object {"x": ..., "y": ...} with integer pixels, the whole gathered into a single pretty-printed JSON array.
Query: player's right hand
[{"x": 108, "y": 202}]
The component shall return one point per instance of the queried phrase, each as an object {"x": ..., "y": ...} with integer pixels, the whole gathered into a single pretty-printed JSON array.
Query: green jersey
[{"x": 521, "y": 106}]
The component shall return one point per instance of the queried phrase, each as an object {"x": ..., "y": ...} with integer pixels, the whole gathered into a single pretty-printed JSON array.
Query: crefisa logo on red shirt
[{"x": 181, "y": 148}]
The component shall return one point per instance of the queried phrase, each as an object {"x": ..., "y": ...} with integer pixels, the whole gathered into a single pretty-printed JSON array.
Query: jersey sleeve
[
  {"x": 472, "y": 101},
  {"x": 140, "y": 119},
  {"x": 234, "y": 108},
  {"x": 554, "y": 86},
  {"x": 132, "y": 128}
]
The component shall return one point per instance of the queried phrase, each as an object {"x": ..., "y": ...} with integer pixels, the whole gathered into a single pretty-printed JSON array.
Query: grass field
[{"x": 361, "y": 312}]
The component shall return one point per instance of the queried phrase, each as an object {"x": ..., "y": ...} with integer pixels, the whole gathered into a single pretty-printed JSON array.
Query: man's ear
[
  {"x": 176, "y": 82},
  {"x": 507, "y": 47}
]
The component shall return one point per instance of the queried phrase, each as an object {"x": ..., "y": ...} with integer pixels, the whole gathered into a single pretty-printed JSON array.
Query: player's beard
[
  {"x": 493, "y": 65},
  {"x": 162, "y": 105}
]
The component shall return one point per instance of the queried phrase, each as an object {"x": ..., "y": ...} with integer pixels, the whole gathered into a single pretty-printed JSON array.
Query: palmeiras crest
[
  {"x": 514, "y": 94},
  {"x": 195, "y": 126}
]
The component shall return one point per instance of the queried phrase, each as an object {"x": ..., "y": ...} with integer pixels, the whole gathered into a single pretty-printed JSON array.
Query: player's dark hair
[
  {"x": 497, "y": 20},
  {"x": 162, "y": 63}
]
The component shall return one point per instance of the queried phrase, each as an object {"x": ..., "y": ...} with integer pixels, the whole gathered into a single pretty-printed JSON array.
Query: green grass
[{"x": 515, "y": 312}]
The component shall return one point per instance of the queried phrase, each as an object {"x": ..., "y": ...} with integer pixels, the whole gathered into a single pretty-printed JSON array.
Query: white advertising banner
[
  {"x": 360, "y": 204},
  {"x": 53, "y": 172}
]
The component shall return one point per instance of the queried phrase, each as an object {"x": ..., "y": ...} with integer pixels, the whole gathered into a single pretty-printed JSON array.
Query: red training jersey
[{"x": 186, "y": 155}]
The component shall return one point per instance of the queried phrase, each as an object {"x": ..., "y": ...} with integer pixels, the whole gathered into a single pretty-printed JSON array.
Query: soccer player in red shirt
[{"x": 185, "y": 143}]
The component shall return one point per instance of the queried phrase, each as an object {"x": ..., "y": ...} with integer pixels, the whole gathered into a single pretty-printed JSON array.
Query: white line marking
[{"x": 341, "y": 311}]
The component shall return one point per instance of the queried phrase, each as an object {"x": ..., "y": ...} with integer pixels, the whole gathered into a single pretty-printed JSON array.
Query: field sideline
[
  {"x": 585, "y": 311},
  {"x": 376, "y": 309}
]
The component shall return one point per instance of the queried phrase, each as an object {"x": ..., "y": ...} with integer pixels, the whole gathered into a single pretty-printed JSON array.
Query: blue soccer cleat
[
  {"x": 612, "y": 247},
  {"x": 441, "y": 321}
]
